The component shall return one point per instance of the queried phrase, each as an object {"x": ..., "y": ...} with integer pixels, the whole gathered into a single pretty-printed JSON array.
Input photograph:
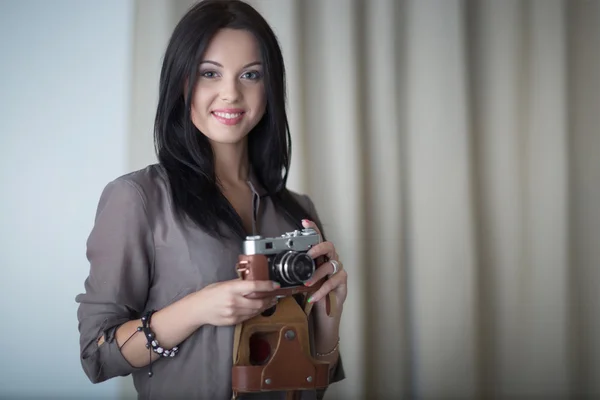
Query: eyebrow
[{"x": 220, "y": 65}]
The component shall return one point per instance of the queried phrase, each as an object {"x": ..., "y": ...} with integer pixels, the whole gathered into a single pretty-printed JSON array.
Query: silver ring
[{"x": 336, "y": 266}]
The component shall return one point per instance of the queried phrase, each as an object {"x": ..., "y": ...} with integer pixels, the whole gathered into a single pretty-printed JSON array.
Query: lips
[{"x": 229, "y": 116}]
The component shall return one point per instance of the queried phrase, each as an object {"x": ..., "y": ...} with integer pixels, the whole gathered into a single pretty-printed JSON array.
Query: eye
[
  {"x": 252, "y": 75},
  {"x": 208, "y": 74}
]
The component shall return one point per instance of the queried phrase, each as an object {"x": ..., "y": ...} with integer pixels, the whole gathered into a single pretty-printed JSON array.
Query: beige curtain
[{"x": 453, "y": 151}]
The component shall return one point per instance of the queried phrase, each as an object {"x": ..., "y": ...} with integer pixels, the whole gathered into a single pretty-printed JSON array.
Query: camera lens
[
  {"x": 298, "y": 267},
  {"x": 293, "y": 268}
]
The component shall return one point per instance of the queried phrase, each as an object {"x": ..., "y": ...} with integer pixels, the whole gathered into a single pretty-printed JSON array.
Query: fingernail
[
  {"x": 276, "y": 285},
  {"x": 306, "y": 221},
  {"x": 310, "y": 299},
  {"x": 308, "y": 283}
]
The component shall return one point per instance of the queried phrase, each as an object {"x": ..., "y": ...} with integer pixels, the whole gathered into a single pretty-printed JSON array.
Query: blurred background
[{"x": 452, "y": 149}]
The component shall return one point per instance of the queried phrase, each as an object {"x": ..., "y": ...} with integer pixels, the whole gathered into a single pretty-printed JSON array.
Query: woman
[{"x": 167, "y": 237}]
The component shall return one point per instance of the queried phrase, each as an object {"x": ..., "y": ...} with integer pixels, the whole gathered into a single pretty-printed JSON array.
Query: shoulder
[
  {"x": 306, "y": 202},
  {"x": 140, "y": 187},
  {"x": 302, "y": 198},
  {"x": 147, "y": 179}
]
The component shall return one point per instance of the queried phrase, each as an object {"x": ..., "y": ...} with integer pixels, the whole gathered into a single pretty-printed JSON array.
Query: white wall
[{"x": 64, "y": 109}]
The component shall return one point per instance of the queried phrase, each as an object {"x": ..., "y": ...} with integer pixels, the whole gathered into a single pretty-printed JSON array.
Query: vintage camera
[
  {"x": 281, "y": 259},
  {"x": 272, "y": 350},
  {"x": 287, "y": 261}
]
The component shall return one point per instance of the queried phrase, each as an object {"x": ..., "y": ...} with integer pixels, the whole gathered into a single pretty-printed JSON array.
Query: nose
[{"x": 229, "y": 91}]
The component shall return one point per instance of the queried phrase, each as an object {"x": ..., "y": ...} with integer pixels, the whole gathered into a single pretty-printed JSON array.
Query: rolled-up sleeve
[{"x": 120, "y": 251}]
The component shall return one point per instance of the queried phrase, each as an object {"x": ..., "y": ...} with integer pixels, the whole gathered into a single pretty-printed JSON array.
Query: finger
[
  {"x": 271, "y": 303},
  {"x": 322, "y": 249},
  {"x": 307, "y": 223},
  {"x": 257, "y": 308},
  {"x": 246, "y": 287},
  {"x": 325, "y": 269},
  {"x": 329, "y": 285},
  {"x": 253, "y": 304},
  {"x": 246, "y": 314}
]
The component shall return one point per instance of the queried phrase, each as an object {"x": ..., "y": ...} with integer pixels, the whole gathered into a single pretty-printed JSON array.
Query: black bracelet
[{"x": 152, "y": 342}]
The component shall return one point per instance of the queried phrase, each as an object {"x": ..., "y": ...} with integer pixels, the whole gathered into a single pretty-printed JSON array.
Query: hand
[
  {"x": 338, "y": 282},
  {"x": 224, "y": 303}
]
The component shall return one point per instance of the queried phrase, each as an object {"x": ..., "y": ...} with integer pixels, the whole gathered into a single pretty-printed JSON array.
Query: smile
[{"x": 228, "y": 118}]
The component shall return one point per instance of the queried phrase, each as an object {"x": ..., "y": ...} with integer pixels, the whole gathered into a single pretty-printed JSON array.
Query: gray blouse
[{"x": 142, "y": 257}]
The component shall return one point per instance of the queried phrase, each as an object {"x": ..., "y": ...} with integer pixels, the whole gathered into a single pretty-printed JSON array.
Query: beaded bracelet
[
  {"x": 332, "y": 350},
  {"x": 152, "y": 342}
]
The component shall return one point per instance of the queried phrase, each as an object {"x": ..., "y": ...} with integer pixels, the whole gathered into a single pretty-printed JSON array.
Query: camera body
[{"x": 282, "y": 259}]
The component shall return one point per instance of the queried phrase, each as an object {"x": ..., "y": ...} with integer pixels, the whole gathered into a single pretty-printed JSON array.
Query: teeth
[{"x": 227, "y": 115}]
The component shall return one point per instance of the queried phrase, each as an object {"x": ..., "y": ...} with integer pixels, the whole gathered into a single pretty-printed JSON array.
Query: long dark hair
[{"x": 186, "y": 154}]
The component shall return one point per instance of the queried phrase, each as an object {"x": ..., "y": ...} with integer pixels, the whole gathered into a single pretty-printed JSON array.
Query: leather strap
[
  {"x": 293, "y": 395},
  {"x": 237, "y": 334},
  {"x": 248, "y": 378}
]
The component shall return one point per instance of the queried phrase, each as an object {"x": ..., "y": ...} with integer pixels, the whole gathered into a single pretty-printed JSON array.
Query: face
[{"x": 229, "y": 98}]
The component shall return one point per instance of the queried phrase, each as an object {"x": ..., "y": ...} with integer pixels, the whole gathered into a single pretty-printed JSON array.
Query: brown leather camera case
[{"x": 289, "y": 365}]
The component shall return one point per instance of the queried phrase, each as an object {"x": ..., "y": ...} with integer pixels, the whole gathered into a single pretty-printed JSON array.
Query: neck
[{"x": 232, "y": 165}]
